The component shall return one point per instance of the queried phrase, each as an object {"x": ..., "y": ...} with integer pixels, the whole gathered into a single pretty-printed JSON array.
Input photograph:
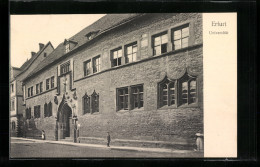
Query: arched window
[
  {"x": 94, "y": 102},
  {"x": 49, "y": 109},
  {"x": 167, "y": 92},
  {"x": 188, "y": 90},
  {"x": 86, "y": 104}
]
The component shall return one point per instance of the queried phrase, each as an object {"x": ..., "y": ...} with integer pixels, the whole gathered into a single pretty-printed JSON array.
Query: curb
[{"x": 108, "y": 148}]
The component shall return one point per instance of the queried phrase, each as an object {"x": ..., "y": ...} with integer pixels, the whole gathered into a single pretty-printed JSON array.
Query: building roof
[
  {"x": 102, "y": 25},
  {"x": 27, "y": 64}
]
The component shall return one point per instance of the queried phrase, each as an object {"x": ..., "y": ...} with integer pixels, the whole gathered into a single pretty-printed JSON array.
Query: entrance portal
[{"x": 64, "y": 121}]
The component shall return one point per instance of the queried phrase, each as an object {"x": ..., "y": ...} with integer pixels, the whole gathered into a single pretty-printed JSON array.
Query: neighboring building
[
  {"x": 16, "y": 89},
  {"x": 138, "y": 76}
]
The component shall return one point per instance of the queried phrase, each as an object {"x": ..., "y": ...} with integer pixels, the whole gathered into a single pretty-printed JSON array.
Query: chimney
[
  {"x": 33, "y": 53},
  {"x": 41, "y": 46}
]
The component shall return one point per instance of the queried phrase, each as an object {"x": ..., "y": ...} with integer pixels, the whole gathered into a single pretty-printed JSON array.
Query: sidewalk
[{"x": 161, "y": 150}]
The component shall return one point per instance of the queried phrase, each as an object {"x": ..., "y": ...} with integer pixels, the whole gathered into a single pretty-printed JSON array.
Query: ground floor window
[
  {"x": 90, "y": 103},
  {"x": 13, "y": 125},
  {"x": 37, "y": 111},
  {"x": 48, "y": 109},
  {"x": 130, "y": 97},
  {"x": 28, "y": 113},
  {"x": 178, "y": 92}
]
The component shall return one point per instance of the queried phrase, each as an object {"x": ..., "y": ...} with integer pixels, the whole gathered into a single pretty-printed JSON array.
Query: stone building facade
[
  {"x": 138, "y": 76},
  {"x": 17, "y": 95}
]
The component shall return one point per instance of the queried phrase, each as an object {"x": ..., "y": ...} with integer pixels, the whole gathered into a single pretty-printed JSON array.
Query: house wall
[{"x": 150, "y": 123}]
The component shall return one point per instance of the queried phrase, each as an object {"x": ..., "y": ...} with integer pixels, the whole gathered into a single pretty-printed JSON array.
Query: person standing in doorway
[{"x": 108, "y": 139}]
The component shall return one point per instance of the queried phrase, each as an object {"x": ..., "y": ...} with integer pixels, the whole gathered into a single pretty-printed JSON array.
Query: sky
[{"x": 27, "y": 31}]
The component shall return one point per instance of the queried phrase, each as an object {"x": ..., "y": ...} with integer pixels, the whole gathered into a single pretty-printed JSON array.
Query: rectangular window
[
  {"x": 180, "y": 37},
  {"x": 137, "y": 96},
  {"x": 64, "y": 68},
  {"x": 47, "y": 84},
  {"x": 52, "y": 82},
  {"x": 123, "y": 98},
  {"x": 96, "y": 64},
  {"x": 87, "y": 67},
  {"x": 41, "y": 87},
  {"x": 37, "y": 111},
  {"x": 12, "y": 88},
  {"x": 67, "y": 48},
  {"x": 12, "y": 105},
  {"x": 37, "y": 88},
  {"x": 160, "y": 43},
  {"x": 117, "y": 57},
  {"x": 130, "y": 100},
  {"x": 32, "y": 91},
  {"x": 131, "y": 53},
  {"x": 29, "y": 92}
]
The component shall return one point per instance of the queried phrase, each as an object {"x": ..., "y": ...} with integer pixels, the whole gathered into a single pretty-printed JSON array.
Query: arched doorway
[{"x": 64, "y": 120}]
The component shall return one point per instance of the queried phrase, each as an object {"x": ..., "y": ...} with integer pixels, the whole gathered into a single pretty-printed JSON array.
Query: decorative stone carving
[{"x": 75, "y": 95}]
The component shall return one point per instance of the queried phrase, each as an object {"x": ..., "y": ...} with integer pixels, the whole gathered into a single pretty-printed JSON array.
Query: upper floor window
[
  {"x": 87, "y": 67},
  {"x": 67, "y": 48},
  {"x": 37, "y": 88},
  {"x": 131, "y": 52},
  {"x": 41, "y": 87},
  {"x": 48, "y": 84},
  {"x": 29, "y": 92},
  {"x": 160, "y": 43},
  {"x": 44, "y": 54},
  {"x": 116, "y": 57},
  {"x": 52, "y": 82},
  {"x": 180, "y": 37},
  {"x": 12, "y": 105},
  {"x": 96, "y": 64},
  {"x": 12, "y": 88},
  {"x": 32, "y": 91},
  {"x": 64, "y": 68}
]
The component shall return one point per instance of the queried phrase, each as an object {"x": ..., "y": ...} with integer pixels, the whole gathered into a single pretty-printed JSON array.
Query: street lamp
[{"x": 78, "y": 132}]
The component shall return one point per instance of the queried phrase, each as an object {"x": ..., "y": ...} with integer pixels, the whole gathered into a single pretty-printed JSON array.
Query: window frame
[
  {"x": 139, "y": 93},
  {"x": 132, "y": 52},
  {"x": 67, "y": 47},
  {"x": 187, "y": 78},
  {"x": 65, "y": 68},
  {"x": 47, "y": 83},
  {"x": 52, "y": 82},
  {"x": 169, "y": 95},
  {"x": 96, "y": 67},
  {"x": 180, "y": 28},
  {"x": 161, "y": 44},
  {"x": 37, "y": 89},
  {"x": 112, "y": 57},
  {"x": 130, "y": 98},
  {"x": 87, "y": 71}
]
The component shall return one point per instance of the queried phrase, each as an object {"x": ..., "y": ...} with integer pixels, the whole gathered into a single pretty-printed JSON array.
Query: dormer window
[
  {"x": 91, "y": 34},
  {"x": 69, "y": 45},
  {"x": 67, "y": 48}
]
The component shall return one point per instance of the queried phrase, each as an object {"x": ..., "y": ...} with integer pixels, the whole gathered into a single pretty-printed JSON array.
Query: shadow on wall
[{"x": 30, "y": 129}]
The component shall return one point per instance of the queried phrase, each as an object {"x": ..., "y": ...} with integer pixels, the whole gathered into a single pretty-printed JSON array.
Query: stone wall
[{"x": 149, "y": 123}]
